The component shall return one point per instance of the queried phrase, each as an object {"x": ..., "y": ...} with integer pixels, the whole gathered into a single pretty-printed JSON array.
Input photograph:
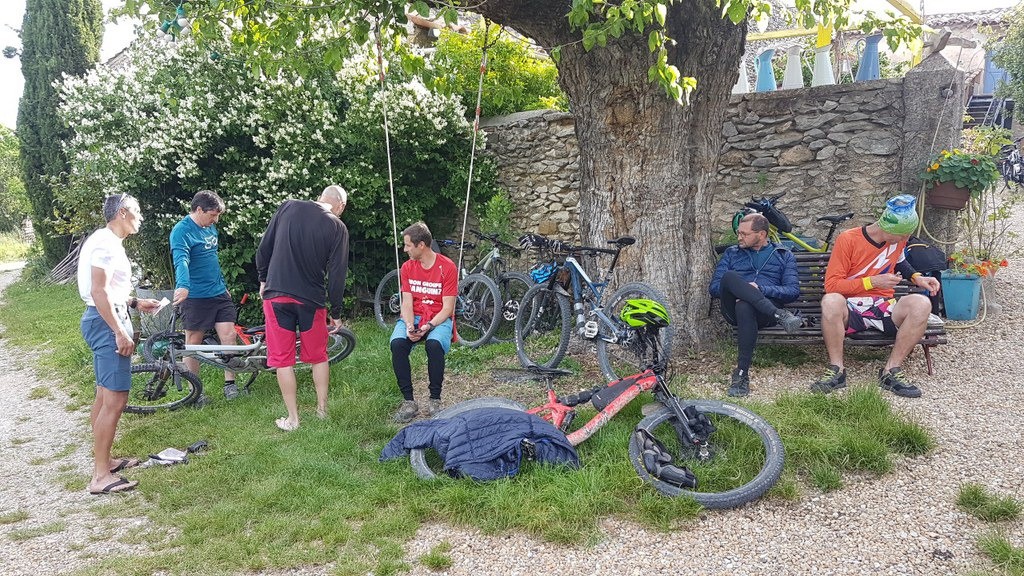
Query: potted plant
[{"x": 951, "y": 178}]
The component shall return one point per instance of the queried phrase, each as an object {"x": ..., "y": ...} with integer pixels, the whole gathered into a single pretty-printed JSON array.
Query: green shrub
[
  {"x": 517, "y": 78},
  {"x": 258, "y": 139}
]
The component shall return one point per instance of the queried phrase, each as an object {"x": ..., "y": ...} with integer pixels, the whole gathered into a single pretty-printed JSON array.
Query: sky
[{"x": 119, "y": 35}]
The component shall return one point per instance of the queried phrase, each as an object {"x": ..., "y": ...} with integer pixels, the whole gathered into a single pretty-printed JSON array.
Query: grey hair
[
  {"x": 111, "y": 204},
  {"x": 335, "y": 193}
]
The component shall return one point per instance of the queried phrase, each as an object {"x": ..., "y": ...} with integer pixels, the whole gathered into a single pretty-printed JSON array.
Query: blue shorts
[
  {"x": 442, "y": 333},
  {"x": 113, "y": 371}
]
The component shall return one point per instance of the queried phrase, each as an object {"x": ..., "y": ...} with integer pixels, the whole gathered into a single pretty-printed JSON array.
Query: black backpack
[{"x": 924, "y": 257}]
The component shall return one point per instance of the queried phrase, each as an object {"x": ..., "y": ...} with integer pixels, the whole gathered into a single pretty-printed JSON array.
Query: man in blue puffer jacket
[{"x": 753, "y": 280}]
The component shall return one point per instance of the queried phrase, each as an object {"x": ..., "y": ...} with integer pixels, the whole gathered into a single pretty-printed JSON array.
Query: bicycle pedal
[{"x": 590, "y": 329}]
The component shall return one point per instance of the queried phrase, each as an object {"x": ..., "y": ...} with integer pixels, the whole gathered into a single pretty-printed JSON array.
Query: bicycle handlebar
[
  {"x": 465, "y": 245},
  {"x": 493, "y": 238}
]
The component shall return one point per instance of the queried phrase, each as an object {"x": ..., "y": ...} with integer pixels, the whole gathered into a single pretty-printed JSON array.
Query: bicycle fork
[{"x": 693, "y": 428}]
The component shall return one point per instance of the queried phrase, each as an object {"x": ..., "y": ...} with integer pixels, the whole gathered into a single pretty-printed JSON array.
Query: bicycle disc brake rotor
[
  {"x": 395, "y": 303},
  {"x": 510, "y": 310}
]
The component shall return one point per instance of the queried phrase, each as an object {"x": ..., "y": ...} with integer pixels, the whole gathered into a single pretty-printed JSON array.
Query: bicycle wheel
[
  {"x": 744, "y": 460},
  {"x": 340, "y": 344},
  {"x": 426, "y": 467},
  {"x": 157, "y": 386},
  {"x": 512, "y": 286},
  {"x": 477, "y": 310},
  {"x": 155, "y": 348},
  {"x": 633, "y": 352},
  {"x": 387, "y": 301},
  {"x": 543, "y": 327}
]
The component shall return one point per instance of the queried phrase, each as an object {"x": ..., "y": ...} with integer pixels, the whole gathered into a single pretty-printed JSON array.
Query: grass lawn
[
  {"x": 12, "y": 247},
  {"x": 260, "y": 498}
]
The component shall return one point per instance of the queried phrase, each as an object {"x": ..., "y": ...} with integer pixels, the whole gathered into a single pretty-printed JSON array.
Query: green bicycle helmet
[{"x": 641, "y": 312}]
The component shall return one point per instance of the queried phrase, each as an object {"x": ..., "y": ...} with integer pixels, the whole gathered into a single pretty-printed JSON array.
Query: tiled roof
[{"x": 972, "y": 18}]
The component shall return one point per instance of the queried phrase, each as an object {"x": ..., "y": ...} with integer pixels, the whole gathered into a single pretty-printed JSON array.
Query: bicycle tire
[
  {"x": 748, "y": 491},
  {"x": 147, "y": 350},
  {"x": 477, "y": 310},
  {"x": 418, "y": 456},
  {"x": 631, "y": 355},
  {"x": 340, "y": 344},
  {"x": 512, "y": 286},
  {"x": 153, "y": 388},
  {"x": 387, "y": 301},
  {"x": 543, "y": 327}
]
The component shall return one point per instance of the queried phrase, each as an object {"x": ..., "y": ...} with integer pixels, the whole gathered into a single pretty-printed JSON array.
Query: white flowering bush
[{"x": 174, "y": 121}]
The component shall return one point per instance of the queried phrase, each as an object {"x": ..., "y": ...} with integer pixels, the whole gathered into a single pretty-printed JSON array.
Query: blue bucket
[{"x": 961, "y": 294}]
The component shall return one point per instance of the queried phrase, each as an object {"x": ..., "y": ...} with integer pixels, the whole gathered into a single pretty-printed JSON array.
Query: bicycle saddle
[
  {"x": 836, "y": 219},
  {"x": 623, "y": 241},
  {"x": 254, "y": 330}
]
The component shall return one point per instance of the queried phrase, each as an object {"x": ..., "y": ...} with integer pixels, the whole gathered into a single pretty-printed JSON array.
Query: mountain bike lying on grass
[
  {"x": 720, "y": 454},
  {"x": 163, "y": 382}
]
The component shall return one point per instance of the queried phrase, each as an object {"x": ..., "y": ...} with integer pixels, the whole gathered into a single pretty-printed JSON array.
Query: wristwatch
[
  {"x": 133, "y": 303},
  {"x": 431, "y": 324}
]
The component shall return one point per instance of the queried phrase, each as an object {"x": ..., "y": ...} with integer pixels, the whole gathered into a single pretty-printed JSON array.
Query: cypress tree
[{"x": 58, "y": 37}]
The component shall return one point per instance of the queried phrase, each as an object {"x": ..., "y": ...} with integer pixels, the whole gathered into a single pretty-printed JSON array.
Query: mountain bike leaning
[
  {"x": 544, "y": 324},
  {"x": 1011, "y": 164},
  {"x": 781, "y": 230},
  {"x": 720, "y": 454},
  {"x": 163, "y": 382}
]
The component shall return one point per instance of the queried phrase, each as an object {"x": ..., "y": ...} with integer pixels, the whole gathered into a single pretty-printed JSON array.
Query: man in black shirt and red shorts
[{"x": 304, "y": 242}]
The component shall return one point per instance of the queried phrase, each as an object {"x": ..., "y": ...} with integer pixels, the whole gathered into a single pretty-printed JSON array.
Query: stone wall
[
  {"x": 538, "y": 163},
  {"x": 831, "y": 149}
]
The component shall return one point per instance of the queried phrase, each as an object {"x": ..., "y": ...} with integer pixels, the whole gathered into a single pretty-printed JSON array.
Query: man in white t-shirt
[{"x": 104, "y": 283}]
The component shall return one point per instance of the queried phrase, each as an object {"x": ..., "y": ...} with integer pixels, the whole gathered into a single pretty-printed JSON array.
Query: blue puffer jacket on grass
[{"x": 484, "y": 444}]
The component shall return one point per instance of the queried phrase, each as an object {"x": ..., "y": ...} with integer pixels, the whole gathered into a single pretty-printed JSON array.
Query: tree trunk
[{"x": 647, "y": 164}]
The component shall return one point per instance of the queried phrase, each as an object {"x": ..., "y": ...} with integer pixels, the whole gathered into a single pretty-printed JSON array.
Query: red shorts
[{"x": 285, "y": 316}]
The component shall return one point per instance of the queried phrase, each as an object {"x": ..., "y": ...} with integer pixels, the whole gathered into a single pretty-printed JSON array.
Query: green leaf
[
  {"x": 589, "y": 39},
  {"x": 653, "y": 40},
  {"x": 421, "y": 8},
  {"x": 660, "y": 11},
  {"x": 556, "y": 54},
  {"x": 737, "y": 12}
]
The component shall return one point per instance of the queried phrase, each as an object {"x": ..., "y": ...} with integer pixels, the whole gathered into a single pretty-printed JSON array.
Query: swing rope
[
  {"x": 387, "y": 147},
  {"x": 476, "y": 128}
]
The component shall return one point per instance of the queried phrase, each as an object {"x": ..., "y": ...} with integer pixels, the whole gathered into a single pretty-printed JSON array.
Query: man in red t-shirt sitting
[{"x": 430, "y": 283}]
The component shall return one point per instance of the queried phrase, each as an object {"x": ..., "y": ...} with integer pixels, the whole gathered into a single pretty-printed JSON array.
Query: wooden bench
[{"x": 811, "y": 269}]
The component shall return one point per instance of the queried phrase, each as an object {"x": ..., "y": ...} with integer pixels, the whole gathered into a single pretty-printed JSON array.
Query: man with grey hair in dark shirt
[{"x": 304, "y": 243}]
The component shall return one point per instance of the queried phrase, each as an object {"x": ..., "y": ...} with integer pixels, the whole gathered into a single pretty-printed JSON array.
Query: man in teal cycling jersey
[{"x": 199, "y": 285}]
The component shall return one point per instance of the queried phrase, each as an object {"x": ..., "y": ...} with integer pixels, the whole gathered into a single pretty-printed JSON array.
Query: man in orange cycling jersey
[{"x": 866, "y": 264}]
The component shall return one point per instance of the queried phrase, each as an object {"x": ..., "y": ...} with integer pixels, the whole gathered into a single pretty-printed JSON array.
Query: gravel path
[
  {"x": 903, "y": 523},
  {"x": 45, "y": 450}
]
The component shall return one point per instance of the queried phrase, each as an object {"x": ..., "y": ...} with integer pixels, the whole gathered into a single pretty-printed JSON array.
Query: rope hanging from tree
[{"x": 487, "y": 43}]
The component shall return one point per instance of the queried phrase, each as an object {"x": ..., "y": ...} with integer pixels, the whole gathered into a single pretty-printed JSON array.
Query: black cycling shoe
[{"x": 897, "y": 382}]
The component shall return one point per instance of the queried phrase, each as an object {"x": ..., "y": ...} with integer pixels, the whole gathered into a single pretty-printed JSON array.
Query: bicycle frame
[
  {"x": 561, "y": 412},
  {"x": 581, "y": 286}
]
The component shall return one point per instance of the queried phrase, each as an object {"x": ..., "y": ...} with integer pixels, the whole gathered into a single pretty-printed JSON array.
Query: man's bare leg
[
  {"x": 910, "y": 314},
  {"x": 321, "y": 380},
  {"x": 286, "y": 382},
  {"x": 106, "y": 413},
  {"x": 834, "y": 316}
]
